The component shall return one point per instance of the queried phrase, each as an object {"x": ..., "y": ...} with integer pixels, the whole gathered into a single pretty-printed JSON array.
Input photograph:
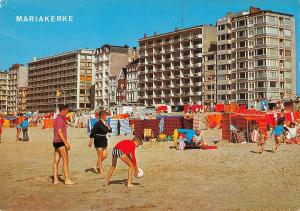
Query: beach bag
[{"x": 181, "y": 145}]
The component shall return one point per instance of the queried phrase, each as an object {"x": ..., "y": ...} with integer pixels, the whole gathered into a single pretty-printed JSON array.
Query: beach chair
[{"x": 148, "y": 134}]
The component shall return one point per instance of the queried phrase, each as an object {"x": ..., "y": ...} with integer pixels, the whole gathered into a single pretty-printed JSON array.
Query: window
[
  {"x": 272, "y": 62},
  {"x": 261, "y": 51},
  {"x": 287, "y": 22},
  {"x": 243, "y": 54},
  {"x": 288, "y": 53},
  {"x": 271, "y": 19},
  {"x": 260, "y": 30},
  {"x": 250, "y": 43},
  {"x": 242, "y": 44},
  {"x": 287, "y": 43},
  {"x": 250, "y": 21},
  {"x": 221, "y": 27},
  {"x": 272, "y": 30},
  {"x": 287, "y": 64},
  {"x": 242, "y": 96},
  {"x": 210, "y": 67},
  {"x": 241, "y": 33},
  {"x": 242, "y": 75},
  {"x": 260, "y": 41},
  {"x": 287, "y": 75},
  {"x": 260, "y": 19},
  {"x": 261, "y": 62},
  {"x": 260, "y": 84},
  {"x": 273, "y": 73},
  {"x": 272, "y": 41},
  {"x": 273, "y": 52},
  {"x": 287, "y": 85},
  {"x": 250, "y": 32},
  {"x": 287, "y": 32}
]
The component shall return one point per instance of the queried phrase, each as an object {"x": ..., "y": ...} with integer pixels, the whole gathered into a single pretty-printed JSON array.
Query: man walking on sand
[{"x": 61, "y": 145}]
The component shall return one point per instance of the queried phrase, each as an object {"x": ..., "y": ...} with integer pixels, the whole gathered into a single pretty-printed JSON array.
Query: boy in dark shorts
[
  {"x": 61, "y": 145},
  {"x": 125, "y": 150}
]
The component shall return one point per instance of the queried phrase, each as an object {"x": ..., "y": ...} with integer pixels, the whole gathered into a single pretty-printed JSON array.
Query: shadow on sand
[
  {"x": 120, "y": 182},
  {"x": 91, "y": 170}
]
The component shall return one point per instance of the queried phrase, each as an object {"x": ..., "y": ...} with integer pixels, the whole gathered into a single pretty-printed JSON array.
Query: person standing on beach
[
  {"x": 98, "y": 133},
  {"x": 25, "y": 125},
  {"x": 19, "y": 125},
  {"x": 278, "y": 133},
  {"x": 61, "y": 145}
]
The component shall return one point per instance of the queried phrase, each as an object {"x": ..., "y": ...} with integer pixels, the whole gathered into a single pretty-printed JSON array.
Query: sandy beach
[{"x": 233, "y": 177}]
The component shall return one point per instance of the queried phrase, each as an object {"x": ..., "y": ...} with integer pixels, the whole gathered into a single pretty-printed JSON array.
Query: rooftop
[{"x": 173, "y": 32}]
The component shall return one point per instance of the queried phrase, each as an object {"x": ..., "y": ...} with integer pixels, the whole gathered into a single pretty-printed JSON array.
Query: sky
[{"x": 117, "y": 22}]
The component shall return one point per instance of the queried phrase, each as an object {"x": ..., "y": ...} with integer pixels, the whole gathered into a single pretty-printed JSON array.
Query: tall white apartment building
[
  {"x": 70, "y": 73},
  {"x": 3, "y": 91},
  {"x": 109, "y": 60},
  {"x": 132, "y": 82},
  {"x": 17, "y": 78},
  {"x": 256, "y": 56},
  {"x": 171, "y": 65}
]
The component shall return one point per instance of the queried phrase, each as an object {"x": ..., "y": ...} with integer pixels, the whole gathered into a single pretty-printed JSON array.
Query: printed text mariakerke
[{"x": 44, "y": 19}]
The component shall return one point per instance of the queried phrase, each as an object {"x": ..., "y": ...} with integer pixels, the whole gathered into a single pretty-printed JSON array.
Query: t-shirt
[
  {"x": 25, "y": 123},
  {"x": 59, "y": 123},
  {"x": 127, "y": 147}
]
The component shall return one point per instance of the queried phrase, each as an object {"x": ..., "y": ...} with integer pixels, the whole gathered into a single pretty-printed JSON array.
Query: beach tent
[
  {"x": 214, "y": 120},
  {"x": 243, "y": 121},
  {"x": 124, "y": 126}
]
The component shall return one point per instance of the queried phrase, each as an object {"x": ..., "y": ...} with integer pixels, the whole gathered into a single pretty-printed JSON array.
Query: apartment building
[
  {"x": 3, "y": 91},
  {"x": 109, "y": 60},
  {"x": 22, "y": 99},
  {"x": 17, "y": 78},
  {"x": 171, "y": 65},
  {"x": 256, "y": 56},
  {"x": 121, "y": 87},
  {"x": 132, "y": 82},
  {"x": 70, "y": 74},
  {"x": 209, "y": 69}
]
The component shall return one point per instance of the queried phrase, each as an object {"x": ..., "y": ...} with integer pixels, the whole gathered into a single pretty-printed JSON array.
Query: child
[
  {"x": 278, "y": 132},
  {"x": 261, "y": 140},
  {"x": 125, "y": 150}
]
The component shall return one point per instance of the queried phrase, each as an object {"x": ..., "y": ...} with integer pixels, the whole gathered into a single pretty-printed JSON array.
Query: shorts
[
  {"x": 19, "y": 127},
  {"x": 58, "y": 145},
  {"x": 100, "y": 142},
  {"x": 117, "y": 153}
]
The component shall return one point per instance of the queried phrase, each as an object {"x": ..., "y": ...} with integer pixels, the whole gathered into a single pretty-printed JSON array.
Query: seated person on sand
[
  {"x": 291, "y": 132},
  {"x": 197, "y": 140}
]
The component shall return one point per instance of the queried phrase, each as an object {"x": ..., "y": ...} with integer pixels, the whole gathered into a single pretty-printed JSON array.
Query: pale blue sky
[{"x": 117, "y": 22}]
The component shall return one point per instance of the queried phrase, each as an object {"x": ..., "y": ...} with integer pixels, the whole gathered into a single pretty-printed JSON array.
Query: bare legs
[
  {"x": 61, "y": 153},
  {"x": 102, "y": 155},
  {"x": 55, "y": 167},
  {"x": 18, "y": 134},
  {"x": 126, "y": 159},
  {"x": 111, "y": 170},
  {"x": 278, "y": 142}
]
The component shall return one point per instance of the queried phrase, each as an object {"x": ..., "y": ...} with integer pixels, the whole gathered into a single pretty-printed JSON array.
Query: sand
[{"x": 230, "y": 178}]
